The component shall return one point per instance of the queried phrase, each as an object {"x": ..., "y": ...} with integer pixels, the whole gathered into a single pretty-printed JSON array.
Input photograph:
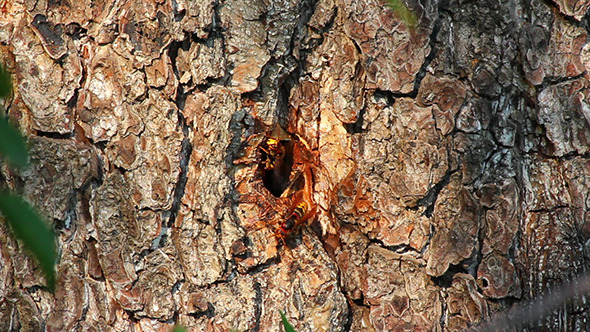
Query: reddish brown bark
[{"x": 448, "y": 162}]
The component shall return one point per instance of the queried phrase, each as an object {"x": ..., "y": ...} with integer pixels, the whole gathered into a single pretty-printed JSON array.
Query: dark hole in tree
[
  {"x": 484, "y": 283},
  {"x": 276, "y": 180}
]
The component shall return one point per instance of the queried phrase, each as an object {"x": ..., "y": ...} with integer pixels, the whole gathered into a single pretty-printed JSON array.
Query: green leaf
[
  {"x": 403, "y": 12},
  {"x": 178, "y": 328},
  {"x": 5, "y": 83},
  {"x": 288, "y": 327},
  {"x": 12, "y": 145},
  {"x": 29, "y": 227}
]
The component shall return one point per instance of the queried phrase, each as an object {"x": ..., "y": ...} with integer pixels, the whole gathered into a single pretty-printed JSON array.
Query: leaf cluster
[{"x": 24, "y": 221}]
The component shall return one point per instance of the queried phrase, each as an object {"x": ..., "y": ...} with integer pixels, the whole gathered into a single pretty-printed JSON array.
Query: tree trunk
[{"x": 179, "y": 146}]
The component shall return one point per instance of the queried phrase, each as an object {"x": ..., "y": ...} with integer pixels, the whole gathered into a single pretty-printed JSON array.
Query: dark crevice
[
  {"x": 360, "y": 302},
  {"x": 215, "y": 30},
  {"x": 3, "y": 182},
  {"x": 35, "y": 288},
  {"x": 446, "y": 279},
  {"x": 178, "y": 15},
  {"x": 284, "y": 91},
  {"x": 388, "y": 96},
  {"x": 186, "y": 146},
  {"x": 209, "y": 313},
  {"x": 443, "y": 315},
  {"x": 254, "y": 96},
  {"x": 231, "y": 271},
  {"x": 121, "y": 170},
  {"x": 262, "y": 267},
  {"x": 174, "y": 319},
  {"x": 549, "y": 210},
  {"x": 84, "y": 314},
  {"x": 569, "y": 156},
  {"x": 349, "y": 317},
  {"x": 300, "y": 31},
  {"x": 211, "y": 81},
  {"x": 471, "y": 263},
  {"x": 487, "y": 170},
  {"x": 53, "y": 135},
  {"x": 430, "y": 235},
  {"x": 430, "y": 57},
  {"x": 357, "y": 46},
  {"x": 177, "y": 285},
  {"x": 546, "y": 155},
  {"x": 51, "y": 36},
  {"x": 185, "y": 153},
  {"x": 173, "y": 49},
  {"x": 217, "y": 283},
  {"x": 550, "y": 81},
  {"x": 143, "y": 255},
  {"x": 58, "y": 225},
  {"x": 294, "y": 61},
  {"x": 257, "y": 306},
  {"x": 71, "y": 104},
  {"x": 75, "y": 31},
  {"x": 430, "y": 198},
  {"x": 100, "y": 176},
  {"x": 392, "y": 96},
  {"x": 586, "y": 22},
  {"x": 399, "y": 249}
]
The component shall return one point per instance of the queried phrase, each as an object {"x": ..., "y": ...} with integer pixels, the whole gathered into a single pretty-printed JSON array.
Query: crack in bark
[
  {"x": 185, "y": 152},
  {"x": 430, "y": 57},
  {"x": 551, "y": 81},
  {"x": 549, "y": 209},
  {"x": 257, "y": 306},
  {"x": 356, "y": 127},
  {"x": 429, "y": 199},
  {"x": 55, "y": 135}
]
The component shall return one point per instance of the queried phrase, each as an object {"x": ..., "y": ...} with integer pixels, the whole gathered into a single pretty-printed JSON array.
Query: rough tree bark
[{"x": 449, "y": 162}]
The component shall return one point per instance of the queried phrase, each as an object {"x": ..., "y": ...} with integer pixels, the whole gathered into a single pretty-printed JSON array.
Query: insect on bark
[{"x": 302, "y": 208}]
